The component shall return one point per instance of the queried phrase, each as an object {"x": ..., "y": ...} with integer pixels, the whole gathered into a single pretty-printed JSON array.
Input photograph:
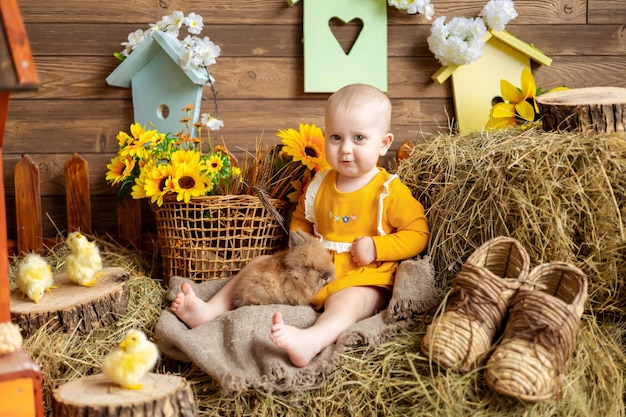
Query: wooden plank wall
[{"x": 259, "y": 77}]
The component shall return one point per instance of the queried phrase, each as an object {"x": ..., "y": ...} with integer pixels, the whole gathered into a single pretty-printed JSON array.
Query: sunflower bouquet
[
  {"x": 152, "y": 164},
  {"x": 156, "y": 165}
]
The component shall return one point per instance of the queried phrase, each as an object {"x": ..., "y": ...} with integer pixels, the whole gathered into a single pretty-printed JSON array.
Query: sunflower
[
  {"x": 138, "y": 189},
  {"x": 157, "y": 182},
  {"x": 306, "y": 146},
  {"x": 215, "y": 164},
  {"x": 124, "y": 139},
  {"x": 185, "y": 156},
  {"x": 189, "y": 182},
  {"x": 142, "y": 147},
  {"x": 120, "y": 168}
]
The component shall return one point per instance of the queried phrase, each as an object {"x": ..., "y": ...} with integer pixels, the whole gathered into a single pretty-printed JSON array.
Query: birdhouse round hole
[{"x": 163, "y": 111}]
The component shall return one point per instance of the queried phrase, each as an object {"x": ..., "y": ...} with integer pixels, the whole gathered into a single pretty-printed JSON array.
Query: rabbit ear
[{"x": 296, "y": 238}]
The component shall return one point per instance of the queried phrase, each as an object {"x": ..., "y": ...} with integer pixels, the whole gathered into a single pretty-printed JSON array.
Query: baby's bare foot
[
  {"x": 189, "y": 308},
  {"x": 293, "y": 340}
]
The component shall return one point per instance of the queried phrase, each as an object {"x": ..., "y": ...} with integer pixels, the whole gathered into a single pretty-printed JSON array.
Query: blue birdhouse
[{"x": 161, "y": 88}]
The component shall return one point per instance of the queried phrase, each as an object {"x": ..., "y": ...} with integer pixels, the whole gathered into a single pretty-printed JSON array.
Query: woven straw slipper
[
  {"x": 461, "y": 337},
  {"x": 541, "y": 334}
]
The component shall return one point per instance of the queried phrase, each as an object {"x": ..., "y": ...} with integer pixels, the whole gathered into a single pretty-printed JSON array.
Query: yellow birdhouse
[{"x": 474, "y": 86}]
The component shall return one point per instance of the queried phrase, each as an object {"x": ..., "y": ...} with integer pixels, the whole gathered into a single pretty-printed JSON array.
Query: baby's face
[{"x": 356, "y": 137}]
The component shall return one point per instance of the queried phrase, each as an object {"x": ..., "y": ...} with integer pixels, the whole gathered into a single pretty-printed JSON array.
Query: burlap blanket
[{"x": 235, "y": 348}]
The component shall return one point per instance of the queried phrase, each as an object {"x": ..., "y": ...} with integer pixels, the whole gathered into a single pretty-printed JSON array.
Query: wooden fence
[{"x": 78, "y": 206}]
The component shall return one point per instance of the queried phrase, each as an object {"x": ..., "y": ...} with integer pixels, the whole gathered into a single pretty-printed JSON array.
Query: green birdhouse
[
  {"x": 327, "y": 65},
  {"x": 160, "y": 87},
  {"x": 474, "y": 86}
]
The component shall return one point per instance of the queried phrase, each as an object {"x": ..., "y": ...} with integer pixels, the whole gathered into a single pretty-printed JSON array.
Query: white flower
[
  {"x": 185, "y": 59},
  {"x": 211, "y": 122},
  {"x": 194, "y": 23},
  {"x": 497, "y": 13},
  {"x": 206, "y": 51},
  {"x": 171, "y": 24},
  {"x": 429, "y": 11},
  {"x": 459, "y": 41},
  {"x": 196, "y": 52},
  {"x": 134, "y": 39},
  {"x": 423, "y": 7}
]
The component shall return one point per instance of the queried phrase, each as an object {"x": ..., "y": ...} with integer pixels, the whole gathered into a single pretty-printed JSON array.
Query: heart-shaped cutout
[{"x": 346, "y": 33}]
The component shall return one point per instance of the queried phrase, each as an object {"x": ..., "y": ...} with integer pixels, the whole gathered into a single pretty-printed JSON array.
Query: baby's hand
[{"x": 363, "y": 251}]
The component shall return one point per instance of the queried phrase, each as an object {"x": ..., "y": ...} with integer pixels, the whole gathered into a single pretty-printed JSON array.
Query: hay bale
[{"x": 563, "y": 196}]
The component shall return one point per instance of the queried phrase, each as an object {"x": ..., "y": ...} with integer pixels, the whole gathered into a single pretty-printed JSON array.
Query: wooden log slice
[
  {"x": 72, "y": 307},
  {"x": 593, "y": 109},
  {"x": 98, "y": 396}
]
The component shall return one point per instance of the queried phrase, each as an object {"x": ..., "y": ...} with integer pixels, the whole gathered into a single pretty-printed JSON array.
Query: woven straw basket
[
  {"x": 461, "y": 337},
  {"x": 541, "y": 334},
  {"x": 215, "y": 236}
]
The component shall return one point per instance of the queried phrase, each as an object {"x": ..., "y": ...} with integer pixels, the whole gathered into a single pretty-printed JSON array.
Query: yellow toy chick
[
  {"x": 34, "y": 276},
  {"x": 84, "y": 264},
  {"x": 129, "y": 363}
]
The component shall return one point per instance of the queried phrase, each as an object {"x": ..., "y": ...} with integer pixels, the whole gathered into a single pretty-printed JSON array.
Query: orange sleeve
[
  {"x": 298, "y": 218},
  {"x": 409, "y": 233}
]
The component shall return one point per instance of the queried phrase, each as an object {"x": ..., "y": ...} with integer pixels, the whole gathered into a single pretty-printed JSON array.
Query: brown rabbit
[{"x": 291, "y": 276}]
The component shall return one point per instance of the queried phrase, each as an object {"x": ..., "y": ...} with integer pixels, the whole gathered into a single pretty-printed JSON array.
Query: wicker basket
[
  {"x": 541, "y": 334},
  {"x": 461, "y": 337},
  {"x": 215, "y": 236}
]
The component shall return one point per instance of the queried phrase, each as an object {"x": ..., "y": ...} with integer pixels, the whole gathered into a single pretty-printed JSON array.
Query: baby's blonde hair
[{"x": 354, "y": 94}]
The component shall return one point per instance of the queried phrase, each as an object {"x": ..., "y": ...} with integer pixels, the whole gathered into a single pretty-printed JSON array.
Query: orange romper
[{"x": 384, "y": 209}]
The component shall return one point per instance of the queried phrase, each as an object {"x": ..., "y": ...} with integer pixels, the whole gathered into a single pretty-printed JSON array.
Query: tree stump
[
  {"x": 72, "y": 307},
  {"x": 98, "y": 396},
  {"x": 594, "y": 109}
]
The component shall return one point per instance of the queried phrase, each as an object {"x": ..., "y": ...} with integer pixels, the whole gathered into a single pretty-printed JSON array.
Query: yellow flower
[
  {"x": 140, "y": 147},
  {"x": 236, "y": 173},
  {"x": 120, "y": 168},
  {"x": 139, "y": 188},
  {"x": 136, "y": 129},
  {"x": 158, "y": 182},
  {"x": 298, "y": 187},
  {"x": 517, "y": 104},
  {"x": 185, "y": 156},
  {"x": 306, "y": 146},
  {"x": 189, "y": 182},
  {"x": 123, "y": 139},
  {"x": 215, "y": 164}
]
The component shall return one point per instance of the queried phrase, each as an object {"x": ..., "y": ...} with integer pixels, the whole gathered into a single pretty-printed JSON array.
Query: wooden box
[{"x": 20, "y": 386}]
